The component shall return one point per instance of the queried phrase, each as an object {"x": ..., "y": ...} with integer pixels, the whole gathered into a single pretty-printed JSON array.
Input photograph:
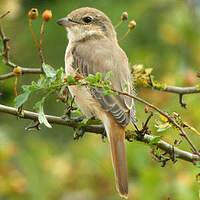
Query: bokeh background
[{"x": 48, "y": 164}]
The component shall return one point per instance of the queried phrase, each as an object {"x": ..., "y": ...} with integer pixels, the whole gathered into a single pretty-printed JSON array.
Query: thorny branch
[{"x": 99, "y": 129}]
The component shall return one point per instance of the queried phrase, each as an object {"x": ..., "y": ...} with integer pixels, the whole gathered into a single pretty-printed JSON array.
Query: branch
[
  {"x": 5, "y": 41},
  {"x": 24, "y": 71},
  {"x": 182, "y": 90},
  {"x": 99, "y": 129}
]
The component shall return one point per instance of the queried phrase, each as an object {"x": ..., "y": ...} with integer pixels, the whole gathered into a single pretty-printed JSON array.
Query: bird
[{"x": 93, "y": 47}]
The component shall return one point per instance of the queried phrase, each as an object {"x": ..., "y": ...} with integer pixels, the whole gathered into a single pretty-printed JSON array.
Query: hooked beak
[{"x": 66, "y": 22}]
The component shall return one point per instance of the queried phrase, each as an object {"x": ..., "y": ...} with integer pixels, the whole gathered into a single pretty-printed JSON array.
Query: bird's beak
[{"x": 66, "y": 22}]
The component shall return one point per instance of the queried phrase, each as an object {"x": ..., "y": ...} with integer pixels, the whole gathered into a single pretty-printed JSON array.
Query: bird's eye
[{"x": 87, "y": 19}]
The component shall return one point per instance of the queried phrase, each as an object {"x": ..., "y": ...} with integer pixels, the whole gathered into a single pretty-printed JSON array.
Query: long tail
[{"x": 116, "y": 136}]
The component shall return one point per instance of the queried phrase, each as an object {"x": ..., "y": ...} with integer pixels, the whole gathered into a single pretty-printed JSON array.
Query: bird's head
[{"x": 86, "y": 23}]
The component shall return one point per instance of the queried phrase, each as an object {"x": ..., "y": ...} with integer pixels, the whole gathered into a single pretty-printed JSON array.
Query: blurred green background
[{"x": 49, "y": 164}]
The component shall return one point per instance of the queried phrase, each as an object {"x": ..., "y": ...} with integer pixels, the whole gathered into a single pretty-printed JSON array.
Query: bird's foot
[
  {"x": 79, "y": 133},
  {"x": 103, "y": 135}
]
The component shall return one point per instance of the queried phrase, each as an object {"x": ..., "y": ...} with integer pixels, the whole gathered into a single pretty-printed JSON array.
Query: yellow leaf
[
  {"x": 148, "y": 70},
  {"x": 192, "y": 128}
]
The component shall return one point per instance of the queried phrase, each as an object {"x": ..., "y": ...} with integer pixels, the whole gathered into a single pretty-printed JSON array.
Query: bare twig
[
  {"x": 24, "y": 71},
  {"x": 99, "y": 129},
  {"x": 3, "y": 15},
  {"x": 181, "y": 101},
  {"x": 182, "y": 90},
  {"x": 34, "y": 38},
  {"x": 5, "y": 42}
]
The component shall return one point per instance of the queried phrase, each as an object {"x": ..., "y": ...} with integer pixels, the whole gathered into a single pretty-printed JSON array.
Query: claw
[
  {"x": 79, "y": 133},
  {"x": 104, "y": 134}
]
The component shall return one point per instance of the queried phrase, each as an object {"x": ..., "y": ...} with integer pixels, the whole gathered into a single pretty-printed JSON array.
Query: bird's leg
[
  {"x": 70, "y": 108},
  {"x": 79, "y": 132},
  {"x": 103, "y": 135}
]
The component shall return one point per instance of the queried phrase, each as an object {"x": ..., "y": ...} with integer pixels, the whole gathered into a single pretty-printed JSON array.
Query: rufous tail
[{"x": 116, "y": 136}]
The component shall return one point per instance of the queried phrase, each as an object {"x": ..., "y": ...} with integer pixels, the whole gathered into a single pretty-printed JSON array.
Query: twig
[
  {"x": 99, "y": 129},
  {"x": 181, "y": 90},
  {"x": 181, "y": 101},
  {"x": 164, "y": 114},
  {"x": 3, "y": 15},
  {"x": 5, "y": 41},
  {"x": 35, "y": 40},
  {"x": 24, "y": 71}
]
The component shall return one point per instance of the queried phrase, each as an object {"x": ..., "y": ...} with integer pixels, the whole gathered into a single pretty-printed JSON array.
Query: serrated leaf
[
  {"x": 108, "y": 75},
  {"x": 48, "y": 70},
  {"x": 98, "y": 76},
  {"x": 70, "y": 80},
  {"x": 91, "y": 78},
  {"x": 21, "y": 99},
  {"x": 41, "y": 117}
]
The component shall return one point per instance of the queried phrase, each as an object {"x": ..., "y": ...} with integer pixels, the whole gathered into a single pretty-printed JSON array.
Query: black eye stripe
[{"x": 87, "y": 19}]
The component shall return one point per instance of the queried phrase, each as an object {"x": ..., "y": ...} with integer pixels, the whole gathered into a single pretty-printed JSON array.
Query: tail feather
[{"x": 116, "y": 135}]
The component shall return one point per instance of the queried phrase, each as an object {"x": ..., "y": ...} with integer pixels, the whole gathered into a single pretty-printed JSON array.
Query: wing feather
[{"x": 104, "y": 56}]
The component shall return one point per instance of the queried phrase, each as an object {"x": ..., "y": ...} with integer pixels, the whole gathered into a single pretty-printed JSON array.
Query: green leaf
[
  {"x": 107, "y": 82},
  {"x": 125, "y": 86},
  {"x": 108, "y": 75},
  {"x": 70, "y": 80},
  {"x": 155, "y": 140},
  {"x": 91, "y": 78},
  {"x": 41, "y": 117},
  {"x": 21, "y": 99},
  {"x": 108, "y": 92},
  {"x": 48, "y": 70},
  {"x": 98, "y": 76}
]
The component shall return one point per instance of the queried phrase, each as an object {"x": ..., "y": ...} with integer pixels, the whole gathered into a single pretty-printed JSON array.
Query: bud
[
  {"x": 146, "y": 110},
  {"x": 17, "y": 71},
  {"x": 33, "y": 13},
  {"x": 124, "y": 16},
  {"x": 132, "y": 24},
  {"x": 47, "y": 15}
]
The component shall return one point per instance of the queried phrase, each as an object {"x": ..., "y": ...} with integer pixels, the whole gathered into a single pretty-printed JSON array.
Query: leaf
[
  {"x": 91, "y": 78},
  {"x": 108, "y": 75},
  {"x": 138, "y": 67},
  {"x": 98, "y": 76},
  {"x": 41, "y": 117},
  {"x": 108, "y": 92},
  {"x": 162, "y": 126},
  {"x": 186, "y": 124},
  {"x": 163, "y": 118},
  {"x": 125, "y": 86},
  {"x": 21, "y": 99},
  {"x": 70, "y": 80},
  {"x": 155, "y": 140},
  {"x": 148, "y": 70},
  {"x": 48, "y": 70}
]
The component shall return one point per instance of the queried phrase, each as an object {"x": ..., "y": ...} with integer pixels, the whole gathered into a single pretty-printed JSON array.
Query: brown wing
[{"x": 104, "y": 56}]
